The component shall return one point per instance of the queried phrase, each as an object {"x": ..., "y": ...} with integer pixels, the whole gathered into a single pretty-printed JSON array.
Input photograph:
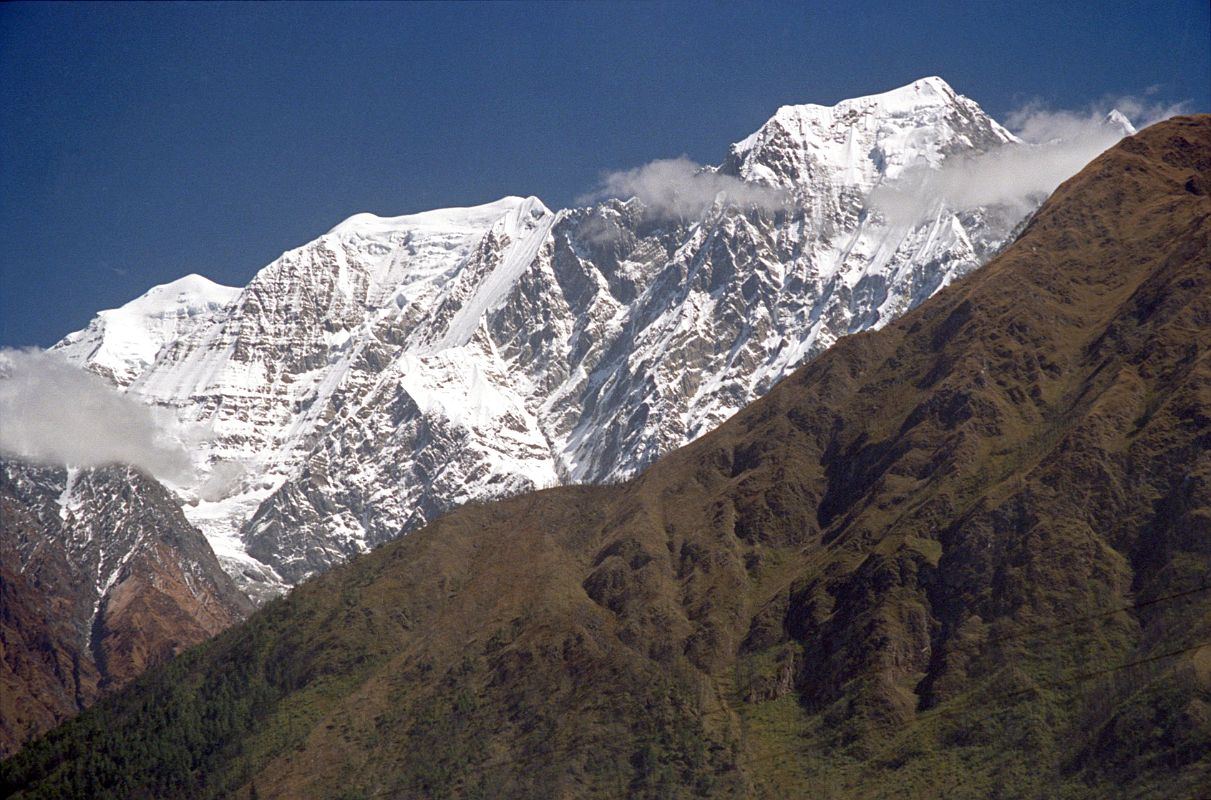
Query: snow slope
[{"x": 122, "y": 342}]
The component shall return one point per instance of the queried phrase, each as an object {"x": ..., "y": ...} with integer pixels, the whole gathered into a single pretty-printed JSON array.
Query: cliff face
[
  {"x": 103, "y": 577},
  {"x": 964, "y": 555}
]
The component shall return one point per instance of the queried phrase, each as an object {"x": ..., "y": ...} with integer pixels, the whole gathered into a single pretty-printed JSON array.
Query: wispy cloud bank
[
  {"x": 1056, "y": 145},
  {"x": 54, "y": 413},
  {"x": 677, "y": 187},
  {"x": 1035, "y": 122}
]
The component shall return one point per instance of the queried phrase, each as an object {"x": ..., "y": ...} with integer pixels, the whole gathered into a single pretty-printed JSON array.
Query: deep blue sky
[{"x": 140, "y": 142}]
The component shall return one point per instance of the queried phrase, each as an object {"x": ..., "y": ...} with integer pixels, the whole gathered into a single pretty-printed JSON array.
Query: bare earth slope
[{"x": 966, "y": 555}]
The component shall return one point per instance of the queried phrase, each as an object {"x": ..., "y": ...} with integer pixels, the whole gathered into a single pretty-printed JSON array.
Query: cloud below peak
[
  {"x": 57, "y": 414},
  {"x": 1056, "y": 144},
  {"x": 678, "y": 187}
]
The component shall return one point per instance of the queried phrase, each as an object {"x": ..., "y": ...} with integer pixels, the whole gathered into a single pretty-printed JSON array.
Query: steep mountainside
[
  {"x": 102, "y": 578},
  {"x": 964, "y": 556},
  {"x": 394, "y": 368}
]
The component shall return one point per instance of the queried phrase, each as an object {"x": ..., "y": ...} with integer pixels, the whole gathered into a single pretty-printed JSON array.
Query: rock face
[
  {"x": 103, "y": 577},
  {"x": 965, "y": 555},
  {"x": 393, "y": 369}
]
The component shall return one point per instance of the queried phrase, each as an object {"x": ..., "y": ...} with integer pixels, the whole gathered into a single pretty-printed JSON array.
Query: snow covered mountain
[{"x": 393, "y": 368}]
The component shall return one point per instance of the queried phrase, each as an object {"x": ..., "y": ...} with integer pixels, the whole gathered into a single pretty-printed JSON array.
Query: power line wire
[
  {"x": 950, "y": 711},
  {"x": 523, "y": 761},
  {"x": 996, "y": 699},
  {"x": 1098, "y": 615},
  {"x": 1041, "y": 628}
]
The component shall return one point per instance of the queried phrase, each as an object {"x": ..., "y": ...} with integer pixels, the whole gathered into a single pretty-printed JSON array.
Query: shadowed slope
[{"x": 966, "y": 554}]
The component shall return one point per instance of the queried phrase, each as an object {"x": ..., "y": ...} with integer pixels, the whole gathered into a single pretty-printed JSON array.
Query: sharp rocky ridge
[{"x": 394, "y": 368}]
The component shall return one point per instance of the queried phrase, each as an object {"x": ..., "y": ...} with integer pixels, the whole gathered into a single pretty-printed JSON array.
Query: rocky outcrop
[{"x": 103, "y": 578}]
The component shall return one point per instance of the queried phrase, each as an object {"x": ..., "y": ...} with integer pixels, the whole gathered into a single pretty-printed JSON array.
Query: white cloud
[
  {"x": 1056, "y": 145},
  {"x": 54, "y": 413},
  {"x": 678, "y": 187},
  {"x": 224, "y": 480}
]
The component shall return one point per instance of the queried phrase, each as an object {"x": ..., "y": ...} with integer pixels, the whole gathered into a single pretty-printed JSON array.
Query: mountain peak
[
  {"x": 1116, "y": 119},
  {"x": 928, "y": 92},
  {"x": 191, "y": 289},
  {"x": 868, "y": 138},
  {"x": 120, "y": 342}
]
